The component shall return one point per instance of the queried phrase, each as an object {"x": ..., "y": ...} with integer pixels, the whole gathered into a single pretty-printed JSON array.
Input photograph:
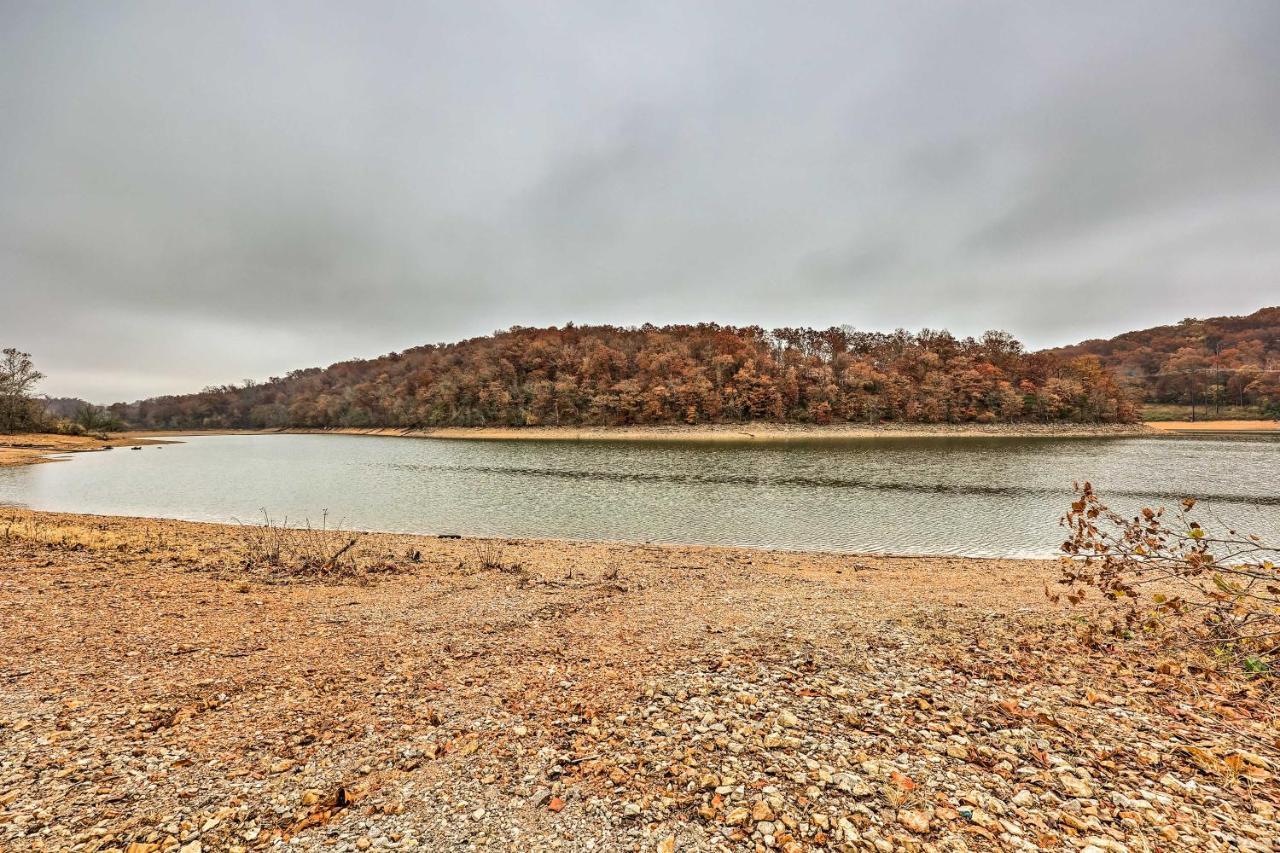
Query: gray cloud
[{"x": 196, "y": 193}]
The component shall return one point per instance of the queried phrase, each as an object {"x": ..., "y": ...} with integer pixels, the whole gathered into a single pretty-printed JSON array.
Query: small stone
[
  {"x": 193, "y": 847},
  {"x": 667, "y": 845},
  {"x": 363, "y": 843},
  {"x": 760, "y": 810},
  {"x": 1024, "y": 798},
  {"x": 788, "y": 720},
  {"x": 737, "y": 816}
]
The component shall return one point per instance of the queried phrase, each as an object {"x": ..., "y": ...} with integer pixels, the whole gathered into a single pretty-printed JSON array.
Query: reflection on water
[{"x": 980, "y": 496}]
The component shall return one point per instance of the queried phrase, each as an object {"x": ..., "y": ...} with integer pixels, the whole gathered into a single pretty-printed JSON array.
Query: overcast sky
[{"x": 194, "y": 193}]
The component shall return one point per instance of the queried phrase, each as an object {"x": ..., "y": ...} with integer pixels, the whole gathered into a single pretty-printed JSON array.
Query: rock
[
  {"x": 1024, "y": 798},
  {"x": 788, "y": 720},
  {"x": 667, "y": 845},
  {"x": 363, "y": 843},
  {"x": 192, "y": 847},
  {"x": 1074, "y": 786},
  {"x": 760, "y": 810},
  {"x": 914, "y": 820},
  {"x": 737, "y": 816}
]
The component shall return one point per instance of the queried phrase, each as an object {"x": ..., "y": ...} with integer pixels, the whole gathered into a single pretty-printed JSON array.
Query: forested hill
[
  {"x": 1221, "y": 360},
  {"x": 674, "y": 374}
]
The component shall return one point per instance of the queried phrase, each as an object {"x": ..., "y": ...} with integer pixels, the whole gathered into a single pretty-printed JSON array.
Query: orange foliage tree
[{"x": 703, "y": 373}]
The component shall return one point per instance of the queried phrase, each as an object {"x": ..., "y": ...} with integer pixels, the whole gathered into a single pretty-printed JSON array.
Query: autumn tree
[
  {"x": 1199, "y": 363},
  {"x": 705, "y": 373}
]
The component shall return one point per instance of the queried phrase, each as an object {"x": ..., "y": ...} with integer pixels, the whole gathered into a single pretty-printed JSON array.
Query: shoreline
[
  {"x": 754, "y": 433},
  {"x": 549, "y": 541},
  {"x": 518, "y": 694},
  {"x": 1212, "y": 427},
  {"x": 36, "y": 448}
]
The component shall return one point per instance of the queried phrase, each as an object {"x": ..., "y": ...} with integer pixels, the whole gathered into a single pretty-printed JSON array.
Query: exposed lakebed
[{"x": 971, "y": 496}]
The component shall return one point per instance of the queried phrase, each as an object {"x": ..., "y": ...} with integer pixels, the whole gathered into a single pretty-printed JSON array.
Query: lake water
[{"x": 974, "y": 496}]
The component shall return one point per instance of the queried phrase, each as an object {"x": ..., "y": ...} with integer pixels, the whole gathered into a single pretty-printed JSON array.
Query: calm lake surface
[{"x": 973, "y": 496}]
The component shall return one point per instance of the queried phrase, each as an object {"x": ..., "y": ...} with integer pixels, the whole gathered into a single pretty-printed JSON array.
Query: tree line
[
  {"x": 1202, "y": 363},
  {"x": 692, "y": 374}
]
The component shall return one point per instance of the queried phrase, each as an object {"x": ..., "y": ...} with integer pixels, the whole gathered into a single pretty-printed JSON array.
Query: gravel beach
[{"x": 160, "y": 689}]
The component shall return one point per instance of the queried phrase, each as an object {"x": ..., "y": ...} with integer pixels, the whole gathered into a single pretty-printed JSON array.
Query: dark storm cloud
[{"x": 195, "y": 193}]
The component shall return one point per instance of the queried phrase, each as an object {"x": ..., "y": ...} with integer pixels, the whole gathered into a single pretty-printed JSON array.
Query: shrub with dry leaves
[{"x": 1213, "y": 592}]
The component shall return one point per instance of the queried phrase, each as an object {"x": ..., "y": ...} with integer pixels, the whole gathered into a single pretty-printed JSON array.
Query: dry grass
[
  {"x": 309, "y": 551},
  {"x": 491, "y": 555},
  {"x": 148, "y": 536},
  {"x": 270, "y": 548},
  {"x": 1156, "y": 412},
  {"x": 1217, "y": 426}
]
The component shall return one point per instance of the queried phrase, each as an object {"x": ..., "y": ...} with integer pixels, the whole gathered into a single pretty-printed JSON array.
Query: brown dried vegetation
[{"x": 1213, "y": 593}]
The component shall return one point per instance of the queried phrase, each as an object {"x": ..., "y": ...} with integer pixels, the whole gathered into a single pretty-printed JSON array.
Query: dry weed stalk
[
  {"x": 490, "y": 554},
  {"x": 311, "y": 551}
]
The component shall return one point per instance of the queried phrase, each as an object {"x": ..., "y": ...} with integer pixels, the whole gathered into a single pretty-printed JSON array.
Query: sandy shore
[
  {"x": 160, "y": 689},
  {"x": 1261, "y": 427},
  {"x": 726, "y": 433},
  {"x": 33, "y": 448}
]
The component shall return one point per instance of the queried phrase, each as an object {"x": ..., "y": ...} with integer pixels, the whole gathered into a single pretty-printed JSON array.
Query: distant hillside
[
  {"x": 1221, "y": 361},
  {"x": 675, "y": 374}
]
